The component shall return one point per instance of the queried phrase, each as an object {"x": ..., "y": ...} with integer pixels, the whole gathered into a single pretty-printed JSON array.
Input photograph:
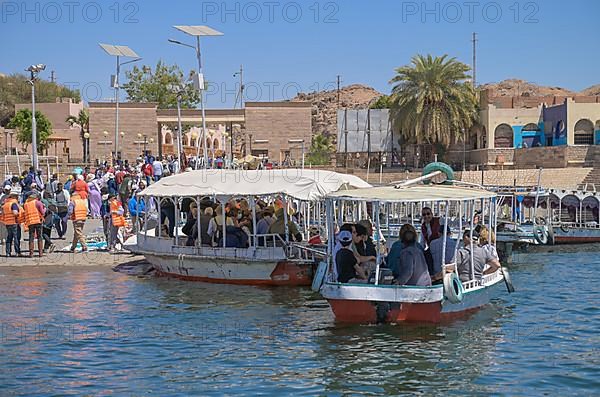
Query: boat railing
[
  {"x": 305, "y": 253},
  {"x": 578, "y": 225}
]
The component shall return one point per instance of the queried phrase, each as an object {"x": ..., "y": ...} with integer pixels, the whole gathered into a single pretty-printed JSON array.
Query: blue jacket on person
[
  {"x": 393, "y": 259},
  {"x": 134, "y": 208},
  {"x": 112, "y": 186}
]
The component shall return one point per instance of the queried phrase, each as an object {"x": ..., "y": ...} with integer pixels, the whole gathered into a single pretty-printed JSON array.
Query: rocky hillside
[
  {"x": 516, "y": 87},
  {"x": 325, "y": 105},
  {"x": 593, "y": 90}
]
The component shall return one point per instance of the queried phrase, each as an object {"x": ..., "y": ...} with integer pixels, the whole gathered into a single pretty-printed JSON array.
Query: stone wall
[
  {"x": 134, "y": 118},
  {"x": 270, "y": 126}
]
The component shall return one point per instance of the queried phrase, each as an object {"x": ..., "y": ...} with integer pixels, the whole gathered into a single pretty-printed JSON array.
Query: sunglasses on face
[{"x": 427, "y": 214}]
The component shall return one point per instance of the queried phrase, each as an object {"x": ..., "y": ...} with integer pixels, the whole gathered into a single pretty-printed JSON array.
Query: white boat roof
[
  {"x": 415, "y": 193},
  {"x": 307, "y": 184}
]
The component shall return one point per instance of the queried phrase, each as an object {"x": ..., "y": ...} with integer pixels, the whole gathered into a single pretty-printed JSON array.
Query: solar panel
[
  {"x": 198, "y": 30},
  {"x": 119, "y": 50}
]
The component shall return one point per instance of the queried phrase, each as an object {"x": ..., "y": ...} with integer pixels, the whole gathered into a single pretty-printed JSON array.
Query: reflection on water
[{"x": 96, "y": 332}]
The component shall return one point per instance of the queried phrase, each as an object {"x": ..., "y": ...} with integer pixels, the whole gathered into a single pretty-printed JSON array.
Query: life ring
[
  {"x": 453, "y": 288},
  {"x": 540, "y": 234},
  {"x": 439, "y": 166},
  {"x": 319, "y": 276}
]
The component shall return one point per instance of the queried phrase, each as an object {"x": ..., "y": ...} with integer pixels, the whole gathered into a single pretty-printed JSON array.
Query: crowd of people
[{"x": 411, "y": 261}]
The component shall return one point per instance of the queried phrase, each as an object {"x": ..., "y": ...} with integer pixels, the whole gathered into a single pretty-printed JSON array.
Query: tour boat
[
  {"x": 574, "y": 216},
  {"x": 379, "y": 300},
  {"x": 269, "y": 259}
]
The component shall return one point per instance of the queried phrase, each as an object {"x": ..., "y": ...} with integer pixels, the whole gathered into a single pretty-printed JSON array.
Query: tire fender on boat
[
  {"x": 540, "y": 234},
  {"x": 319, "y": 276},
  {"x": 453, "y": 288},
  {"x": 439, "y": 166}
]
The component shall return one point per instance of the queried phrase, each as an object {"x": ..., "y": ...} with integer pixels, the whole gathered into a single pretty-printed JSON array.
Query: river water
[{"x": 91, "y": 331}]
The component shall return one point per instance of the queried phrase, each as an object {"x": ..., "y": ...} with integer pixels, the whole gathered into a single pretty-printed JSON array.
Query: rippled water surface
[{"x": 88, "y": 331}]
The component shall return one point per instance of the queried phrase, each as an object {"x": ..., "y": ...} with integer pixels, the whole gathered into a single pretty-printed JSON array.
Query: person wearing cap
[
  {"x": 34, "y": 217},
  {"x": 348, "y": 267},
  {"x": 117, "y": 220},
  {"x": 479, "y": 256},
  {"x": 81, "y": 187},
  {"x": 12, "y": 216},
  {"x": 78, "y": 210},
  {"x": 278, "y": 226},
  {"x": 411, "y": 267}
]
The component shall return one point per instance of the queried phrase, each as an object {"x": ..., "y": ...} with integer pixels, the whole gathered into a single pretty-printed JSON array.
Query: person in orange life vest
[
  {"x": 11, "y": 217},
  {"x": 78, "y": 210},
  {"x": 430, "y": 227},
  {"x": 117, "y": 220},
  {"x": 34, "y": 216}
]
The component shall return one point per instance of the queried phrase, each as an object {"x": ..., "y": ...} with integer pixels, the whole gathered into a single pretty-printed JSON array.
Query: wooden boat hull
[
  {"x": 228, "y": 271},
  {"x": 576, "y": 235},
  {"x": 385, "y": 308}
]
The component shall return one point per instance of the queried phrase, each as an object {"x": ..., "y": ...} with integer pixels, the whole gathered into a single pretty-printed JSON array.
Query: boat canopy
[
  {"x": 414, "y": 193},
  {"x": 306, "y": 184}
]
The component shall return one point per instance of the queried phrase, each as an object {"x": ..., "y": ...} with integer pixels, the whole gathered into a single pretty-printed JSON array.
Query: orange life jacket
[
  {"x": 80, "y": 210},
  {"x": 117, "y": 220},
  {"x": 32, "y": 215},
  {"x": 8, "y": 218}
]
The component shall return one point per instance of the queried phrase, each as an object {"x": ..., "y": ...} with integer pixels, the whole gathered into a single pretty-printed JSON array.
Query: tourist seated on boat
[
  {"x": 167, "y": 211},
  {"x": 278, "y": 226},
  {"x": 370, "y": 249},
  {"x": 481, "y": 257},
  {"x": 348, "y": 267},
  {"x": 205, "y": 219},
  {"x": 235, "y": 237},
  {"x": 487, "y": 241},
  {"x": 430, "y": 226},
  {"x": 346, "y": 227},
  {"x": 359, "y": 237},
  {"x": 436, "y": 248},
  {"x": 215, "y": 226},
  {"x": 393, "y": 258},
  {"x": 262, "y": 226},
  {"x": 314, "y": 236},
  {"x": 412, "y": 267},
  {"x": 190, "y": 225}
]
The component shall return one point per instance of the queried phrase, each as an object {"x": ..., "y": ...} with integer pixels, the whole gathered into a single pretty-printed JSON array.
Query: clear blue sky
[{"x": 286, "y": 45}]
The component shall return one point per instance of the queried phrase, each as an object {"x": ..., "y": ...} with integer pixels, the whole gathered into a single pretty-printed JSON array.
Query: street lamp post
[
  {"x": 34, "y": 70},
  {"x": 139, "y": 136},
  {"x": 86, "y": 149},
  {"x": 117, "y": 154},
  {"x": 198, "y": 31},
  {"x": 118, "y": 51},
  {"x": 105, "y": 133}
]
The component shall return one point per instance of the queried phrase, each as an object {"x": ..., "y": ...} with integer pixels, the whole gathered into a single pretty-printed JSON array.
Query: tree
[
  {"x": 83, "y": 121},
  {"x": 321, "y": 149},
  {"x": 433, "y": 101},
  {"x": 383, "y": 102},
  {"x": 22, "y": 123},
  {"x": 15, "y": 89},
  {"x": 144, "y": 85}
]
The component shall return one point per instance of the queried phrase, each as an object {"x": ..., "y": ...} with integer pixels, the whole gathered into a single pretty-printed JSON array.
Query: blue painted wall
[
  {"x": 533, "y": 138},
  {"x": 597, "y": 137}
]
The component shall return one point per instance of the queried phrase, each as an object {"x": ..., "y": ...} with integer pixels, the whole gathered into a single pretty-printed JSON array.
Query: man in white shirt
[{"x": 157, "y": 168}]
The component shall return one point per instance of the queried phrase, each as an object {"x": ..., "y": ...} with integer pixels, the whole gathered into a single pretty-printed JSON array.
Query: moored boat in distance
[
  {"x": 462, "y": 287},
  {"x": 240, "y": 254}
]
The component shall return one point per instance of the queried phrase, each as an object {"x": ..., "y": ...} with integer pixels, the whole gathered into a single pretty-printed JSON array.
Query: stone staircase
[{"x": 592, "y": 180}]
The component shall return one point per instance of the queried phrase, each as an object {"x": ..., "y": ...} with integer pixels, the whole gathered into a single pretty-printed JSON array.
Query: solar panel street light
[
  {"x": 198, "y": 31},
  {"x": 118, "y": 51},
  {"x": 34, "y": 70}
]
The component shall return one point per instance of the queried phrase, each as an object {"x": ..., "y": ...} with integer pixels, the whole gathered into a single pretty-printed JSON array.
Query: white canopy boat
[
  {"x": 381, "y": 301},
  {"x": 269, "y": 259}
]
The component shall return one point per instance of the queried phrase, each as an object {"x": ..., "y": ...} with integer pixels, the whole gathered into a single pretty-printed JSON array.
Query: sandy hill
[
  {"x": 593, "y": 90},
  {"x": 516, "y": 87},
  {"x": 325, "y": 105}
]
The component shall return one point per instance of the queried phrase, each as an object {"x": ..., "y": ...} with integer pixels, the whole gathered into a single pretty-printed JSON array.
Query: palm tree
[
  {"x": 83, "y": 121},
  {"x": 321, "y": 149},
  {"x": 432, "y": 100}
]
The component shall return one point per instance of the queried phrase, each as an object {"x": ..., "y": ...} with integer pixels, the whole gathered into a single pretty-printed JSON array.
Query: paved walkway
[{"x": 57, "y": 258}]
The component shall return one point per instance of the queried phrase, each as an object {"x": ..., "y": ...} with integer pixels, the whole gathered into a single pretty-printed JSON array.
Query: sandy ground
[{"x": 57, "y": 258}]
